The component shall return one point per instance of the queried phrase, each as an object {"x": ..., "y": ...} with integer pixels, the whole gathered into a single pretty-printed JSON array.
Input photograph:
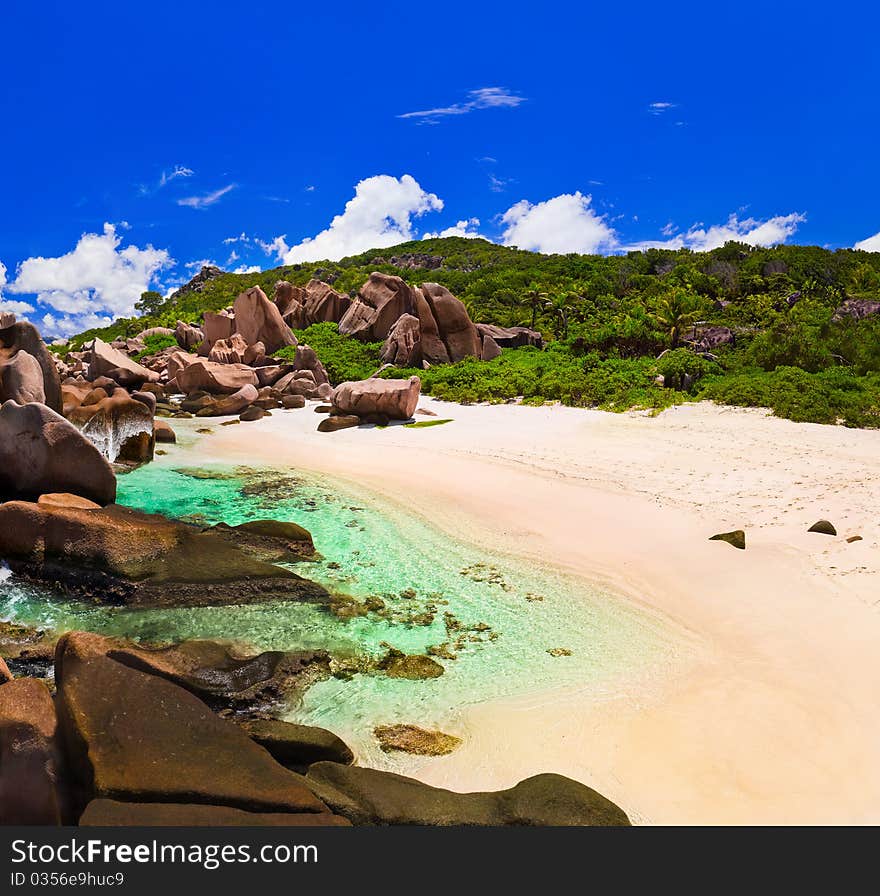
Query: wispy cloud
[
  {"x": 207, "y": 199},
  {"x": 482, "y": 98},
  {"x": 497, "y": 184},
  {"x": 165, "y": 178},
  {"x": 661, "y": 108}
]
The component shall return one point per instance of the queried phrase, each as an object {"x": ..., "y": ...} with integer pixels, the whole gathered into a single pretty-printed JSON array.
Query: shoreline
[{"x": 777, "y": 720}]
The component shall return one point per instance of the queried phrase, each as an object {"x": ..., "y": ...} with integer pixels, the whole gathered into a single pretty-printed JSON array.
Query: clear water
[{"x": 370, "y": 549}]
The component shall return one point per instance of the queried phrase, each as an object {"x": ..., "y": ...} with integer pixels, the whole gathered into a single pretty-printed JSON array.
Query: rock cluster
[{"x": 128, "y": 740}]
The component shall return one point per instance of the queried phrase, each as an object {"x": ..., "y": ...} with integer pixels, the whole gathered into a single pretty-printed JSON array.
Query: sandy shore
[{"x": 777, "y": 719}]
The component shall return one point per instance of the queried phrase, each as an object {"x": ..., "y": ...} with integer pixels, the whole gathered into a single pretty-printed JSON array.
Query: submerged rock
[
  {"x": 397, "y": 664},
  {"x": 415, "y": 740},
  {"x": 369, "y": 797}
]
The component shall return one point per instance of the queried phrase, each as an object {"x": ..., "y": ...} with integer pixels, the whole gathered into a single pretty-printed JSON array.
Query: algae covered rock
[
  {"x": 397, "y": 664},
  {"x": 737, "y": 538},
  {"x": 415, "y": 740}
]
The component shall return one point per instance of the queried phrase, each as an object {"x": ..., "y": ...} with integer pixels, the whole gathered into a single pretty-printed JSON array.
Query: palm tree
[
  {"x": 533, "y": 298},
  {"x": 676, "y": 311},
  {"x": 559, "y": 306}
]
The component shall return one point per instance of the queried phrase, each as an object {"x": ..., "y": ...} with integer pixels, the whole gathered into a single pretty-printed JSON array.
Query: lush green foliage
[
  {"x": 609, "y": 318},
  {"x": 155, "y": 343}
]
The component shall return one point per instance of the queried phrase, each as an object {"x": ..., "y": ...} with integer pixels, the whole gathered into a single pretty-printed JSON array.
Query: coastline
[{"x": 777, "y": 720}]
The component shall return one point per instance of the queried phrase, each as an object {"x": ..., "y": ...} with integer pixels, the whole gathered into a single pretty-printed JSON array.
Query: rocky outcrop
[
  {"x": 414, "y": 740},
  {"x": 30, "y": 787},
  {"x": 188, "y": 337},
  {"x": 416, "y": 666},
  {"x": 24, "y": 337},
  {"x": 377, "y": 306},
  {"x": 121, "y": 556},
  {"x": 259, "y": 320},
  {"x": 118, "y": 425},
  {"x": 216, "y": 326},
  {"x": 298, "y": 746},
  {"x": 21, "y": 379},
  {"x": 207, "y": 273},
  {"x": 228, "y": 405},
  {"x": 369, "y": 797},
  {"x": 104, "y": 360},
  {"x": 403, "y": 347},
  {"x": 233, "y": 350},
  {"x": 290, "y": 301},
  {"x": 394, "y": 399},
  {"x": 455, "y": 328},
  {"x": 113, "y": 813},
  {"x": 709, "y": 338},
  {"x": 42, "y": 452},
  {"x": 511, "y": 337},
  {"x": 490, "y": 350},
  {"x": 224, "y": 379},
  {"x": 323, "y": 304},
  {"x": 134, "y": 737},
  {"x": 857, "y": 309}
]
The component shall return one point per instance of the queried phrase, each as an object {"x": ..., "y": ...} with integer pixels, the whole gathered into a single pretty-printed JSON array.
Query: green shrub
[{"x": 155, "y": 343}]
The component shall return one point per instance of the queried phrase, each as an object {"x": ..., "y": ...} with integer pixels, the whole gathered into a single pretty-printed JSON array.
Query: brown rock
[
  {"x": 490, "y": 350},
  {"x": 188, "y": 337},
  {"x": 298, "y": 746},
  {"x": 456, "y": 329},
  {"x": 104, "y": 360},
  {"x": 415, "y": 740},
  {"x": 252, "y": 414},
  {"x": 823, "y": 527},
  {"x": 216, "y": 326},
  {"x": 120, "y": 427},
  {"x": 289, "y": 300},
  {"x": 29, "y": 757},
  {"x": 396, "y": 664},
  {"x": 737, "y": 538},
  {"x": 293, "y": 402},
  {"x": 74, "y": 502},
  {"x": 113, "y": 813},
  {"x": 215, "y": 378},
  {"x": 511, "y": 337},
  {"x": 403, "y": 347},
  {"x": 229, "y": 351},
  {"x": 136, "y": 737},
  {"x": 21, "y": 378},
  {"x": 336, "y": 422},
  {"x": 323, "y": 303},
  {"x": 258, "y": 320},
  {"x": 163, "y": 432},
  {"x": 41, "y": 452},
  {"x": 378, "y": 305},
  {"x": 396, "y": 399},
  {"x": 24, "y": 337}
]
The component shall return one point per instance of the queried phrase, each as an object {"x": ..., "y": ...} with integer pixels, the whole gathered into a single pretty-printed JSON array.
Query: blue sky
[{"x": 140, "y": 139}]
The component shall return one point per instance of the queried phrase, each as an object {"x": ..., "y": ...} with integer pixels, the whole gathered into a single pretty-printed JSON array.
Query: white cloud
[
  {"x": 247, "y": 269},
  {"x": 241, "y": 238},
  {"x": 10, "y": 304},
  {"x": 207, "y": 199},
  {"x": 379, "y": 215},
  {"x": 660, "y": 108},
  {"x": 97, "y": 280},
  {"x": 177, "y": 171},
  {"x": 482, "y": 98},
  {"x": 461, "y": 228},
  {"x": 278, "y": 246},
  {"x": 200, "y": 263},
  {"x": 752, "y": 231},
  {"x": 563, "y": 224},
  {"x": 871, "y": 244}
]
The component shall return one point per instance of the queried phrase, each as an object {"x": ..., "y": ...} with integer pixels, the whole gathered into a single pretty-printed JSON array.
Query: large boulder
[
  {"x": 395, "y": 399},
  {"x": 230, "y": 405},
  {"x": 216, "y": 326},
  {"x": 290, "y": 301},
  {"x": 224, "y": 379},
  {"x": 259, "y": 320},
  {"x": 21, "y": 379},
  {"x": 114, "y": 814},
  {"x": 218, "y": 674},
  {"x": 511, "y": 337},
  {"x": 324, "y": 304},
  {"x": 298, "y": 746},
  {"x": 42, "y": 452},
  {"x": 24, "y": 337},
  {"x": 104, "y": 360},
  {"x": 403, "y": 347},
  {"x": 121, "y": 556},
  {"x": 30, "y": 765},
  {"x": 491, "y": 350},
  {"x": 119, "y": 426},
  {"x": 455, "y": 327},
  {"x": 229, "y": 351},
  {"x": 134, "y": 737},
  {"x": 378, "y": 305},
  {"x": 188, "y": 337},
  {"x": 369, "y": 797}
]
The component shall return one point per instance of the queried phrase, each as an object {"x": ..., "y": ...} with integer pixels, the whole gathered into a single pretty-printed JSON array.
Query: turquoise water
[{"x": 506, "y": 614}]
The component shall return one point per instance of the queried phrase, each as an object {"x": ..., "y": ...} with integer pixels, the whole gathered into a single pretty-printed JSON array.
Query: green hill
[{"x": 805, "y": 323}]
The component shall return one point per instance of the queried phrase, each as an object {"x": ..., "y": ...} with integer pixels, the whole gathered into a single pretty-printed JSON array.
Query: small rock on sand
[
  {"x": 737, "y": 538},
  {"x": 412, "y": 739},
  {"x": 823, "y": 527}
]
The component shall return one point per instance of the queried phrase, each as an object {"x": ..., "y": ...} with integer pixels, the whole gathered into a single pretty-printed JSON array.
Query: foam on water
[{"x": 510, "y": 613}]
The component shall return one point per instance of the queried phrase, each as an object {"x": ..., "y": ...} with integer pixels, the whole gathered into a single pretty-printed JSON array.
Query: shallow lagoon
[{"x": 506, "y": 613}]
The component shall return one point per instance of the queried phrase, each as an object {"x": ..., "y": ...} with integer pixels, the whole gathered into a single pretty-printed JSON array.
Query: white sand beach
[{"x": 776, "y": 718}]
